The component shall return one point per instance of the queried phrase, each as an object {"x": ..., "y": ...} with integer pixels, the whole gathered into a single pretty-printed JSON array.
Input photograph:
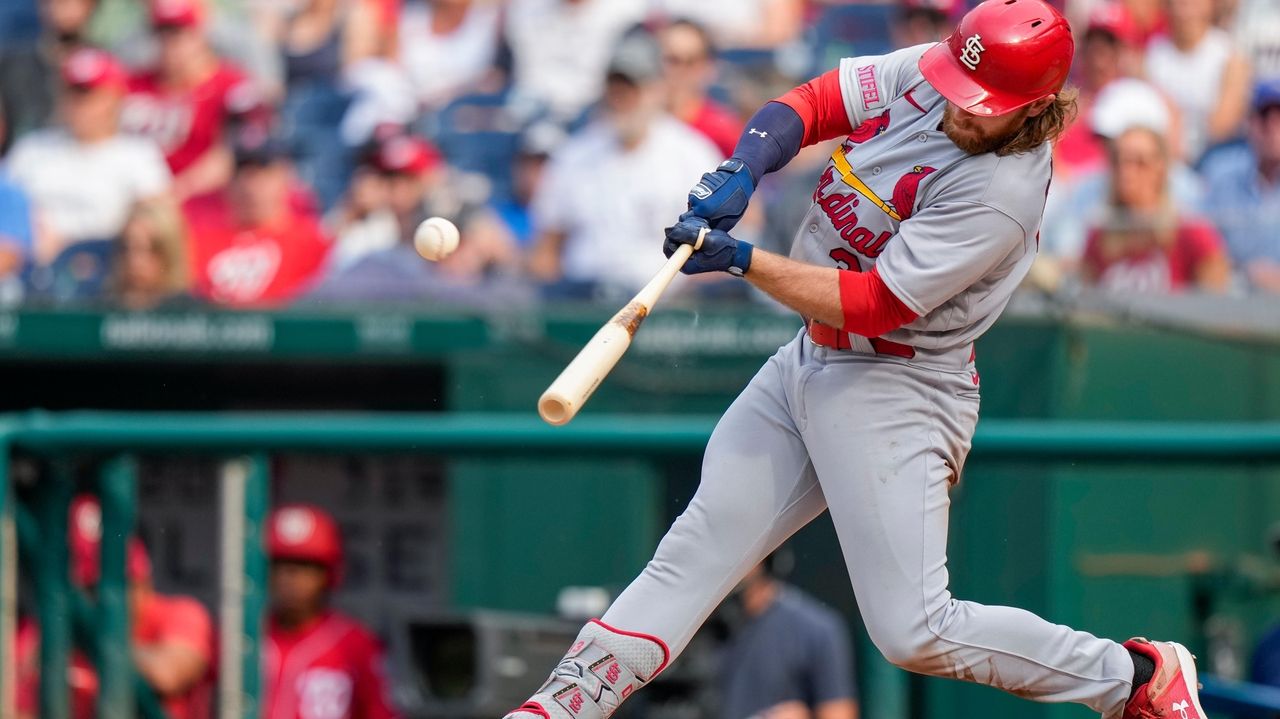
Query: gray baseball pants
[{"x": 878, "y": 441}]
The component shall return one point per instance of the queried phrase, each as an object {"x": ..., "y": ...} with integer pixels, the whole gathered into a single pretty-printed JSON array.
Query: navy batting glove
[
  {"x": 719, "y": 251},
  {"x": 721, "y": 196}
]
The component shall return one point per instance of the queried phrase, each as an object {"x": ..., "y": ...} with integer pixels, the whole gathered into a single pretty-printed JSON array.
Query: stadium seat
[
  {"x": 849, "y": 31},
  {"x": 18, "y": 21},
  {"x": 312, "y": 114},
  {"x": 477, "y": 134}
]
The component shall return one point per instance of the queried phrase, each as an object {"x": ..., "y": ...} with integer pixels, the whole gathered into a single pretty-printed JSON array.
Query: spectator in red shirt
[
  {"x": 172, "y": 635},
  {"x": 318, "y": 663},
  {"x": 187, "y": 100},
  {"x": 1143, "y": 243},
  {"x": 688, "y": 62},
  {"x": 259, "y": 242}
]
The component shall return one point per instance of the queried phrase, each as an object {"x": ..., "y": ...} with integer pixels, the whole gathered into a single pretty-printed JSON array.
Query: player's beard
[{"x": 970, "y": 138}]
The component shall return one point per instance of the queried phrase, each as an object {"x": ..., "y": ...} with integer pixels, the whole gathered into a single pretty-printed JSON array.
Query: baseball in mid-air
[{"x": 436, "y": 238}]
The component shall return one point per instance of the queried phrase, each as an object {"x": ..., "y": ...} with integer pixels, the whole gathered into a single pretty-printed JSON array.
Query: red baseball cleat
[{"x": 1172, "y": 692}]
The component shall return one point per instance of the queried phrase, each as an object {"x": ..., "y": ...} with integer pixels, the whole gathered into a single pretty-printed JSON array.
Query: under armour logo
[
  {"x": 569, "y": 668},
  {"x": 971, "y": 55},
  {"x": 700, "y": 191},
  {"x": 754, "y": 131},
  {"x": 1181, "y": 708}
]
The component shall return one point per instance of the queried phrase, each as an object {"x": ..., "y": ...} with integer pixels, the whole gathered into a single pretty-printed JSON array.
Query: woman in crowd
[
  {"x": 1199, "y": 68},
  {"x": 449, "y": 47},
  {"x": 151, "y": 266},
  {"x": 1143, "y": 243}
]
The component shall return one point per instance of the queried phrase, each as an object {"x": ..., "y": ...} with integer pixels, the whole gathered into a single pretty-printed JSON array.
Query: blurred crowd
[{"x": 170, "y": 153}]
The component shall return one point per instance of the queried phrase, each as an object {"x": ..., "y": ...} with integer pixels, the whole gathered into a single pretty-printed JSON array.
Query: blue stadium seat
[
  {"x": 478, "y": 134},
  {"x": 849, "y": 31},
  {"x": 78, "y": 274},
  {"x": 18, "y": 21},
  {"x": 311, "y": 115}
]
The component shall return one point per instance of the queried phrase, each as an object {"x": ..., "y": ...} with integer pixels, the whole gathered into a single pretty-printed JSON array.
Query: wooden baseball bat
[{"x": 562, "y": 400}]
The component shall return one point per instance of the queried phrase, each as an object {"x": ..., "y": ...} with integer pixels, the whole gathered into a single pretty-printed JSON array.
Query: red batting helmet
[
  {"x": 303, "y": 533},
  {"x": 1004, "y": 55}
]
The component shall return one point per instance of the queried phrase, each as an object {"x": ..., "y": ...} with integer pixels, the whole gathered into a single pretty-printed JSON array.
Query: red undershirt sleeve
[
  {"x": 820, "y": 105},
  {"x": 870, "y": 308}
]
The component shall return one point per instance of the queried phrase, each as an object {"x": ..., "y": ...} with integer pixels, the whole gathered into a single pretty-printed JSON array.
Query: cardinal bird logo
[
  {"x": 870, "y": 127},
  {"x": 904, "y": 191}
]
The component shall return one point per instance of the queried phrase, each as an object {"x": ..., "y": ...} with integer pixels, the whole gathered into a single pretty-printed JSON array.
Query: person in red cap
[
  {"x": 84, "y": 177},
  {"x": 172, "y": 635},
  {"x": 918, "y": 232},
  {"x": 186, "y": 102},
  {"x": 259, "y": 242},
  {"x": 318, "y": 663}
]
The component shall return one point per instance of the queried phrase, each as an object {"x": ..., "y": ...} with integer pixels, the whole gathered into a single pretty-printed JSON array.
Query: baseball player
[
  {"x": 318, "y": 663},
  {"x": 921, "y": 226}
]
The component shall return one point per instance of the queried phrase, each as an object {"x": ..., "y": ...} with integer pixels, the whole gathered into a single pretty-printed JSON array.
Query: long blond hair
[
  {"x": 1121, "y": 225},
  {"x": 1048, "y": 126},
  {"x": 169, "y": 233}
]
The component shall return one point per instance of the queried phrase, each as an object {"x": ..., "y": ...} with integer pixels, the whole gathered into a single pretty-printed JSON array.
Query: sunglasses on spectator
[
  {"x": 683, "y": 60},
  {"x": 1145, "y": 161}
]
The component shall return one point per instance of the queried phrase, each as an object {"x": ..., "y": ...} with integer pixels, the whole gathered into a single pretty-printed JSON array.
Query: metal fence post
[
  {"x": 117, "y": 489},
  {"x": 243, "y": 584},
  {"x": 256, "y": 501},
  {"x": 52, "y": 590},
  {"x": 8, "y": 590}
]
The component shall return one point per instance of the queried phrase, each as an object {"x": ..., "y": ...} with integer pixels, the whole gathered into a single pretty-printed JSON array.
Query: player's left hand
[{"x": 719, "y": 252}]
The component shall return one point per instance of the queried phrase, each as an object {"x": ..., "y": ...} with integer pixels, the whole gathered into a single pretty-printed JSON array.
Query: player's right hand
[
  {"x": 719, "y": 252},
  {"x": 721, "y": 197}
]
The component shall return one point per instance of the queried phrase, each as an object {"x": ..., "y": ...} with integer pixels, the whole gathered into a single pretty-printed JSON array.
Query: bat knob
[
  {"x": 554, "y": 410},
  {"x": 697, "y": 245}
]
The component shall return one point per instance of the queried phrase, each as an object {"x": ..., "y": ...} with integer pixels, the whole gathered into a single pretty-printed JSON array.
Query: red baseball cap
[
  {"x": 90, "y": 69},
  {"x": 1114, "y": 19},
  {"x": 177, "y": 13},
  {"x": 84, "y": 541},
  {"x": 406, "y": 154},
  {"x": 305, "y": 533}
]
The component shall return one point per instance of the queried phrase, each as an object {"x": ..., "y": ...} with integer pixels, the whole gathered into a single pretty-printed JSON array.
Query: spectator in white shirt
[
  {"x": 561, "y": 49},
  {"x": 610, "y": 189},
  {"x": 84, "y": 177},
  {"x": 1198, "y": 67},
  {"x": 741, "y": 23},
  {"x": 448, "y": 47}
]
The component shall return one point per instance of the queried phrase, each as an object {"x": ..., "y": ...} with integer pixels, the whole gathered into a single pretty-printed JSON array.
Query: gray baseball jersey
[{"x": 952, "y": 234}]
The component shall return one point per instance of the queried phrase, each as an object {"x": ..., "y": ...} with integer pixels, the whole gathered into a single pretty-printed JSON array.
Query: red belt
[{"x": 830, "y": 337}]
